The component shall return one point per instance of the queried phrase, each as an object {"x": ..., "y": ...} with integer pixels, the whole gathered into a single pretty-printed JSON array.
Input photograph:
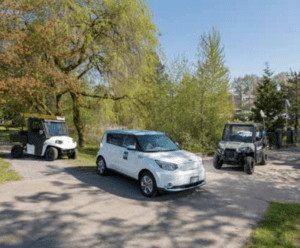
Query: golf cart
[
  {"x": 47, "y": 136},
  {"x": 242, "y": 144}
]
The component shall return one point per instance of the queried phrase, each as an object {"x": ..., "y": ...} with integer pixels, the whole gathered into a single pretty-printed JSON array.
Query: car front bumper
[{"x": 174, "y": 181}]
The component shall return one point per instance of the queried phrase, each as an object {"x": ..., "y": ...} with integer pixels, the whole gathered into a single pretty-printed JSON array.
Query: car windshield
[
  {"x": 156, "y": 143},
  {"x": 57, "y": 128},
  {"x": 238, "y": 133}
]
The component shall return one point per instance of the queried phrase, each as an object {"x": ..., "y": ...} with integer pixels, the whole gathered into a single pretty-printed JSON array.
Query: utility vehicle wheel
[
  {"x": 73, "y": 155},
  {"x": 101, "y": 167},
  {"x": 148, "y": 184},
  {"x": 249, "y": 165},
  {"x": 264, "y": 159},
  {"x": 51, "y": 154},
  {"x": 16, "y": 151},
  {"x": 217, "y": 162}
]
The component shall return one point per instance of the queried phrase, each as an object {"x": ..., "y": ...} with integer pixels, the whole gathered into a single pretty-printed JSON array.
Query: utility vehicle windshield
[
  {"x": 238, "y": 133},
  {"x": 57, "y": 128},
  {"x": 156, "y": 143}
]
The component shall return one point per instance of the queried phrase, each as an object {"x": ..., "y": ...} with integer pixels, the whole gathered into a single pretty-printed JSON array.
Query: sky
[{"x": 253, "y": 32}]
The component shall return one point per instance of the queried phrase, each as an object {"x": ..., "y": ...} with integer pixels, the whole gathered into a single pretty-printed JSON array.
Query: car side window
[
  {"x": 115, "y": 139},
  {"x": 129, "y": 141},
  {"x": 259, "y": 134},
  {"x": 36, "y": 126}
]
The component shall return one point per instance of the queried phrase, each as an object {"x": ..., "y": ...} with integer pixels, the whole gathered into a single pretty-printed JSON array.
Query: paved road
[{"x": 59, "y": 206}]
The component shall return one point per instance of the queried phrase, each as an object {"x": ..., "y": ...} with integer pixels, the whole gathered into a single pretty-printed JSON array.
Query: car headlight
[
  {"x": 58, "y": 142},
  {"x": 167, "y": 166},
  {"x": 244, "y": 149},
  {"x": 220, "y": 150}
]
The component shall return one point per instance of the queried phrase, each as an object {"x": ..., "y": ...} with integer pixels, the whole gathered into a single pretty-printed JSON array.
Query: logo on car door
[{"x": 125, "y": 155}]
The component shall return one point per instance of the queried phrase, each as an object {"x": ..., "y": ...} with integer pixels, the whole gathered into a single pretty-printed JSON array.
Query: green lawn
[
  {"x": 7, "y": 174},
  {"x": 280, "y": 227}
]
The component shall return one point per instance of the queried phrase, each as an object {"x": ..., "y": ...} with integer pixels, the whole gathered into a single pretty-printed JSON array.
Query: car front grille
[
  {"x": 230, "y": 153},
  {"x": 186, "y": 186},
  {"x": 189, "y": 166}
]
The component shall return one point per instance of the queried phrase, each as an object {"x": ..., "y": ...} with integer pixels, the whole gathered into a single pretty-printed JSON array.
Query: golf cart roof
[{"x": 47, "y": 120}]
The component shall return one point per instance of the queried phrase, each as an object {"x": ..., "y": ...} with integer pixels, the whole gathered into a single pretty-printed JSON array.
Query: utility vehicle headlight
[
  {"x": 220, "y": 150},
  {"x": 58, "y": 142},
  {"x": 244, "y": 149},
  {"x": 167, "y": 166}
]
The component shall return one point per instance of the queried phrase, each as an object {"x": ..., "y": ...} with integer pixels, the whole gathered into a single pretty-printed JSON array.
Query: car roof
[{"x": 134, "y": 132}]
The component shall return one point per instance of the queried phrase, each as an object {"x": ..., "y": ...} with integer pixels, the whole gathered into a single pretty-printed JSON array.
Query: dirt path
[{"x": 59, "y": 206}]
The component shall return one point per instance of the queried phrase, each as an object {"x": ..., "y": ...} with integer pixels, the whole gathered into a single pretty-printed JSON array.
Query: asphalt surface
[{"x": 59, "y": 206}]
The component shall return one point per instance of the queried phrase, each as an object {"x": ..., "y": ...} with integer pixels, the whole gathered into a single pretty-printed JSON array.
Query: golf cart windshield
[
  {"x": 156, "y": 143},
  {"x": 57, "y": 128},
  {"x": 238, "y": 133}
]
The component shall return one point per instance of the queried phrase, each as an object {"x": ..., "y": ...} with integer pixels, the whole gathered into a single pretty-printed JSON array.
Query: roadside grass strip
[
  {"x": 7, "y": 174},
  {"x": 86, "y": 161},
  {"x": 280, "y": 227}
]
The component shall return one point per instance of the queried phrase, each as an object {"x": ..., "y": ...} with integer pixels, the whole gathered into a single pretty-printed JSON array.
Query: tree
[
  {"x": 271, "y": 101},
  {"x": 194, "y": 106},
  {"x": 293, "y": 94},
  {"x": 212, "y": 77},
  {"x": 49, "y": 47}
]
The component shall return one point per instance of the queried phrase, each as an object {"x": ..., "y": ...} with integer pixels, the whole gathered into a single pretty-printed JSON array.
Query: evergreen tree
[{"x": 271, "y": 101}]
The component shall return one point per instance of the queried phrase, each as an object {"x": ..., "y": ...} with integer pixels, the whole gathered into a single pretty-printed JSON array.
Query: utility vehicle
[
  {"x": 47, "y": 136},
  {"x": 242, "y": 144}
]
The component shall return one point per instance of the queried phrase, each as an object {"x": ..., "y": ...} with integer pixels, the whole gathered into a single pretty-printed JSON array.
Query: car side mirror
[
  {"x": 131, "y": 148},
  {"x": 41, "y": 132}
]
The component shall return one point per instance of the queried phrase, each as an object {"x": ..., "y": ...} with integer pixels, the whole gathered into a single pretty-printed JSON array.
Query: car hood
[
  {"x": 234, "y": 145},
  {"x": 65, "y": 139},
  {"x": 177, "y": 157}
]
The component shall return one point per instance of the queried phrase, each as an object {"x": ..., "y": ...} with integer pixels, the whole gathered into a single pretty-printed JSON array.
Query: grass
[
  {"x": 7, "y": 174},
  {"x": 280, "y": 227}
]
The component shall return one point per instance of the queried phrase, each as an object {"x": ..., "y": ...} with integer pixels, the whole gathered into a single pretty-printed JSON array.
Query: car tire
[
  {"x": 217, "y": 162},
  {"x": 17, "y": 151},
  {"x": 74, "y": 155},
  {"x": 148, "y": 184},
  {"x": 249, "y": 165},
  {"x": 101, "y": 166},
  {"x": 264, "y": 159},
  {"x": 51, "y": 154}
]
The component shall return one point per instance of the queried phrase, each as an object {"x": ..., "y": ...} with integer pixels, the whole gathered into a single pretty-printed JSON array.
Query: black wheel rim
[{"x": 50, "y": 154}]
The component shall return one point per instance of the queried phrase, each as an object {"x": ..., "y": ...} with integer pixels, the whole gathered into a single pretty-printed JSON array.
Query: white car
[{"x": 152, "y": 158}]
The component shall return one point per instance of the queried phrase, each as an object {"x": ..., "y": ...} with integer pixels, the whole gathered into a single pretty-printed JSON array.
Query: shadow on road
[{"x": 95, "y": 211}]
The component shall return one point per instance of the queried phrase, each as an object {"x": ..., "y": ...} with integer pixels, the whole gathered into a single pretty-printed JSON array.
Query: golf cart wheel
[
  {"x": 17, "y": 151},
  {"x": 148, "y": 184},
  {"x": 249, "y": 165},
  {"x": 101, "y": 167},
  {"x": 217, "y": 162},
  {"x": 51, "y": 154},
  {"x": 264, "y": 159},
  {"x": 73, "y": 155}
]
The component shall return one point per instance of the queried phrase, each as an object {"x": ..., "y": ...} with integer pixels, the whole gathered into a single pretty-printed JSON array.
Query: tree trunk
[{"x": 77, "y": 119}]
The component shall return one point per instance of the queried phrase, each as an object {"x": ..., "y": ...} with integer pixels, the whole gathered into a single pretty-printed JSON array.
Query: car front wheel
[
  {"x": 148, "y": 184},
  {"x": 264, "y": 159},
  {"x": 73, "y": 155},
  {"x": 249, "y": 165},
  {"x": 51, "y": 154},
  {"x": 217, "y": 162}
]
